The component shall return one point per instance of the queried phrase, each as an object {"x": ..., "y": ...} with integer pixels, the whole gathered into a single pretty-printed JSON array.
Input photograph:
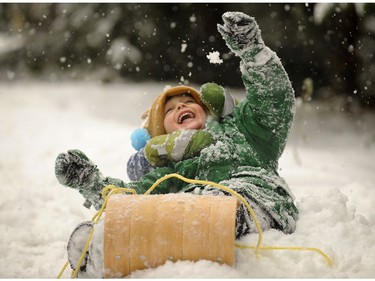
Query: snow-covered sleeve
[
  {"x": 138, "y": 165},
  {"x": 266, "y": 114},
  {"x": 176, "y": 146}
]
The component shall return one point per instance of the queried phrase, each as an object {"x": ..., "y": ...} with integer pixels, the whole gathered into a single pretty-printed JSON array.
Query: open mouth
[{"x": 185, "y": 116}]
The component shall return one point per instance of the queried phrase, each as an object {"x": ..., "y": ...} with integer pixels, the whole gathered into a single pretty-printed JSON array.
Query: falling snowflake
[{"x": 214, "y": 57}]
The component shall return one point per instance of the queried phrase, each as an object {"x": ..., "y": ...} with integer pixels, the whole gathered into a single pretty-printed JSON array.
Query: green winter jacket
[{"x": 246, "y": 144}]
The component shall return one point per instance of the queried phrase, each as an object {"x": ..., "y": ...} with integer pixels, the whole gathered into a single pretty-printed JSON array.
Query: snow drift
[{"x": 328, "y": 163}]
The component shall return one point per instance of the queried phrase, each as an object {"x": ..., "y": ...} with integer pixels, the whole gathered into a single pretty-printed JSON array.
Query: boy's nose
[{"x": 180, "y": 105}]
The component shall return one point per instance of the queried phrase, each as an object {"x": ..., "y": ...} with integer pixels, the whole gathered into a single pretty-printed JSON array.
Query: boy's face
[{"x": 182, "y": 112}]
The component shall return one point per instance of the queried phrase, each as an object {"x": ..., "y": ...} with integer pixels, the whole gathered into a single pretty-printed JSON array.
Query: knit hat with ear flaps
[{"x": 155, "y": 122}]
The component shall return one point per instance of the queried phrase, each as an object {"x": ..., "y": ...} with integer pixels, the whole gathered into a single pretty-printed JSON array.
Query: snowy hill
[{"x": 328, "y": 163}]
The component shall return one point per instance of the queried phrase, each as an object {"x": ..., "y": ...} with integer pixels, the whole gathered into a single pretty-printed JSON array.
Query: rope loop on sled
[{"x": 111, "y": 189}]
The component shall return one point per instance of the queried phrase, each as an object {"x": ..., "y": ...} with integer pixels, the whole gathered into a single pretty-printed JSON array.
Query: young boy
[{"x": 207, "y": 135}]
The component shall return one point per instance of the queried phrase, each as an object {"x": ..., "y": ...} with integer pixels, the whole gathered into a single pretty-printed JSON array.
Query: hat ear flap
[{"x": 145, "y": 118}]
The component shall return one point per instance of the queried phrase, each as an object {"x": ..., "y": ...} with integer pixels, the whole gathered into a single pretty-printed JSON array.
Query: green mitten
[
  {"x": 240, "y": 32},
  {"x": 217, "y": 100},
  {"x": 176, "y": 146},
  {"x": 75, "y": 170}
]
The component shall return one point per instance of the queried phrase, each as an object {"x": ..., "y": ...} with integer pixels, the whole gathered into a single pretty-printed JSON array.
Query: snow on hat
[{"x": 154, "y": 117}]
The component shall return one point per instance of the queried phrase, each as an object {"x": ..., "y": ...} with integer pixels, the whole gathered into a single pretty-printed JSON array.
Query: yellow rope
[
  {"x": 62, "y": 270},
  {"x": 83, "y": 254},
  {"x": 291, "y": 248},
  {"x": 111, "y": 189},
  {"x": 252, "y": 213}
]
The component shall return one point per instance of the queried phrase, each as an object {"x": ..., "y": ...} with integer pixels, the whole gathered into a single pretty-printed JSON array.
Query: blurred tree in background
[{"x": 332, "y": 44}]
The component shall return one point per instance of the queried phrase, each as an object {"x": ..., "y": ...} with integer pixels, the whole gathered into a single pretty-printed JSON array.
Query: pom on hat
[{"x": 139, "y": 138}]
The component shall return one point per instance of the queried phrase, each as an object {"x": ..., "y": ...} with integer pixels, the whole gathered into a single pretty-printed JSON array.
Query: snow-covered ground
[{"x": 333, "y": 180}]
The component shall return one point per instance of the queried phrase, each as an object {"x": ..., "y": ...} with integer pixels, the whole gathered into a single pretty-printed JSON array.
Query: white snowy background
[{"x": 328, "y": 163}]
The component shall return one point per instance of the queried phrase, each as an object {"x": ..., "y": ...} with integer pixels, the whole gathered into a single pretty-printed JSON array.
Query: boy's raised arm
[{"x": 266, "y": 114}]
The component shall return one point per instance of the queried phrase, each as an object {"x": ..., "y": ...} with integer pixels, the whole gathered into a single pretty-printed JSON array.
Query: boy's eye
[{"x": 171, "y": 107}]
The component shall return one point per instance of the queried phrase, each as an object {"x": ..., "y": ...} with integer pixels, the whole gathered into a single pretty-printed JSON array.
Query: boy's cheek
[{"x": 169, "y": 124}]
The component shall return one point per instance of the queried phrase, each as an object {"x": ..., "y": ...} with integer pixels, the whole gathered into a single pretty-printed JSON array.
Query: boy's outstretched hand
[{"x": 240, "y": 31}]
